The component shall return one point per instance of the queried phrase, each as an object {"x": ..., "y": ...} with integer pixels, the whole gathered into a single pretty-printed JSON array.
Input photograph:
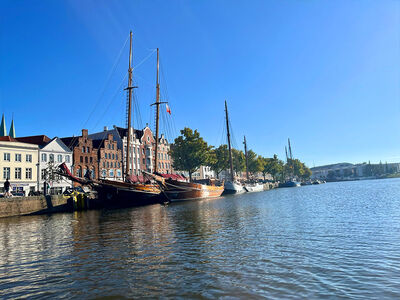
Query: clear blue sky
[{"x": 324, "y": 73}]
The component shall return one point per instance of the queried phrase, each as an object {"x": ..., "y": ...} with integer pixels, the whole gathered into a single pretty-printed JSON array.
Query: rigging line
[
  {"x": 139, "y": 116},
  {"x": 146, "y": 58},
  {"x": 104, "y": 86},
  {"x": 111, "y": 101}
]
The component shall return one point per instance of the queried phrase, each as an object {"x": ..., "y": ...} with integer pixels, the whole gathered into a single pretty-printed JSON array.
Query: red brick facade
[
  {"x": 110, "y": 158},
  {"x": 84, "y": 155}
]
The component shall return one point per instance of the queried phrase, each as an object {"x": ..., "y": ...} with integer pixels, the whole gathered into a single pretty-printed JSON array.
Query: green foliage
[
  {"x": 190, "y": 151},
  {"x": 239, "y": 160},
  {"x": 219, "y": 159},
  {"x": 254, "y": 164}
]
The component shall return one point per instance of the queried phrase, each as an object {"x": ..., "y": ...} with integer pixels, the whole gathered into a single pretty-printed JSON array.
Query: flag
[{"x": 168, "y": 109}]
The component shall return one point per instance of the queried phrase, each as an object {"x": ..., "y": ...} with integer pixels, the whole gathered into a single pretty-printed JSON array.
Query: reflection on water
[{"x": 337, "y": 239}]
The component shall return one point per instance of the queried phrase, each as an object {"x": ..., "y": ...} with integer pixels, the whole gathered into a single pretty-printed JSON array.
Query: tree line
[{"x": 190, "y": 151}]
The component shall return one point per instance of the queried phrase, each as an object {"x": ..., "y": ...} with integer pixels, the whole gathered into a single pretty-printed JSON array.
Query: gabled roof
[
  {"x": 124, "y": 132},
  {"x": 40, "y": 140},
  {"x": 70, "y": 142}
]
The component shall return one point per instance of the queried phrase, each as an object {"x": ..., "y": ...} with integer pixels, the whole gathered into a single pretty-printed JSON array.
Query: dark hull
[{"x": 111, "y": 196}]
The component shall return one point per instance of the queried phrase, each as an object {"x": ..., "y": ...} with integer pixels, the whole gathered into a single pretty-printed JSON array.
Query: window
[
  {"x": 28, "y": 173},
  {"x": 142, "y": 150},
  {"x": 67, "y": 158},
  {"x": 148, "y": 139},
  {"x": 112, "y": 147},
  {"x": 91, "y": 159},
  {"x": 44, "y": 157},
  {"x": 43, "y": 174},
  {"x": 81, "y": 160},
  {"x": 87, "y": 150},
  {"x": 17, "y": 157},
  {"x": 83, "y": 149},
  {"x": 59, "y": 158},
  {"x": 104, "y": 164},
  {"x": 84, "y": 172},
  {"x": 109, "y": 147},
  {"x": 111, "y": 173},
  {"x": 18, "y": 172},
  {"x": 51, "y": 158},
  {"x": 118, "y": 173},
  {"x": 92, "y": 173},
  {"x": 7, "y": 156},
  {"x": 103, "y": 173},
  {"x": 162, "y": 165},
  {"x": 108, "y": 164},
  {"x": 79, "y": 172},
  {"x": 109, "y": 155},
  {"x": 116, "y": 156},
  {"x": 144, "y": 162},
  {"x": 86, "y": 160},
  {"x": 159, "y": 165},
  {"x": 6, "y": 173},
  {"x": 119, "y": 165}
]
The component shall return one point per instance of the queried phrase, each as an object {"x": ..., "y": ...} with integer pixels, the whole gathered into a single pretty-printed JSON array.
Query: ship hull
[
  {"x": 233, "y": 188},
  {"x": 179, "y": 191},
  {"x": 252, "y": 188},
  {"x": 121, "y": 194}
]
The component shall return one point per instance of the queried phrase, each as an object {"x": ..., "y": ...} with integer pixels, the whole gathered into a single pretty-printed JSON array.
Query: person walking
[{"x": 7, "y": 188}]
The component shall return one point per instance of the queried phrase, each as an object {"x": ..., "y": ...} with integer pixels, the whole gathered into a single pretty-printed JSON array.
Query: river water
[{"x": 337, "y": 240}]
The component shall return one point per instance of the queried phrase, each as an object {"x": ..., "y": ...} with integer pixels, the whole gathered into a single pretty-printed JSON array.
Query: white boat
[
  {"x": 233, "y": 188},
  {"x": 253, "y": 187}
]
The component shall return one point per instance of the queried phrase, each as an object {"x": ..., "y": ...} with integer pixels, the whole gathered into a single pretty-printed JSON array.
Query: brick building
[
  {"x": 164, "y": 159},
  {"x": 109, "y": 158},
  {"x": 84, "y": 155}
]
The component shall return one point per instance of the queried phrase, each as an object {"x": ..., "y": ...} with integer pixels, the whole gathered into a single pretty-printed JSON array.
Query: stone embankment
[{"x": 20, "y": 206}]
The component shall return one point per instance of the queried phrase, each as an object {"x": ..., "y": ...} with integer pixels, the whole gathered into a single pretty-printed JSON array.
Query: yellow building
[{"x": 18, "y": 163}]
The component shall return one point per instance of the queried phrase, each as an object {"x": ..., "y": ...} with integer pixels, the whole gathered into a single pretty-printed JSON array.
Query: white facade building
[{"x": 52, "y": 155}]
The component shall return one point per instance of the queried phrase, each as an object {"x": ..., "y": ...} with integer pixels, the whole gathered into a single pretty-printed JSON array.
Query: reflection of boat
[
  {"x": 289, "y": 183},
  {"x": 231, "y": 186}
]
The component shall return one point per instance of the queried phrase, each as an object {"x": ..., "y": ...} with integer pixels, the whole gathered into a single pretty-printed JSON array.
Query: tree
[
  {"x": 219, "y": 159},
  {"x": 254, "y": 164},
  {"x": 239, "y": 160},
  {"x": 190, "y": 151},
  {"x": 274, "y": 166}
]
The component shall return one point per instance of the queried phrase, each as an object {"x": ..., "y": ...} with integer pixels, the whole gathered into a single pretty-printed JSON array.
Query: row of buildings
[{"x": 29, "y": 162}]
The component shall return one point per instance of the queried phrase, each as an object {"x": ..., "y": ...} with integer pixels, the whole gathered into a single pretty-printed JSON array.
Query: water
[{"x": 337, "y": 240}]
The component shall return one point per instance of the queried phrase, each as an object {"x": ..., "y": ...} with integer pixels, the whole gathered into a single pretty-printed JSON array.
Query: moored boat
[
  {"x": 232, "y": 187},
  {"x": 289, "y": 183},
  {"x": 253, "y": 187}
]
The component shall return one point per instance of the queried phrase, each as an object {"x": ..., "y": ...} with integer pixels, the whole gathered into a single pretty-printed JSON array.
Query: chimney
[
  {"x": 105, "y": 128},
  {"x": 84, "y": 132}
]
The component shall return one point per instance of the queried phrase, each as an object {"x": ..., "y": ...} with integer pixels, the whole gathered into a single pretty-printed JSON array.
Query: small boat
[
  {"x": 254, "y": 187},
  {"x": 289, "y": 183},
  {"x": 231, "y": 186},
  {"x": 250, "y": 187},
  {"x": 306, "y": 183}
]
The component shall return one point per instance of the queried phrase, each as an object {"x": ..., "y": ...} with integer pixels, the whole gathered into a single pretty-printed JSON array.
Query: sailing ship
[
  {"x": 231, "y": 186},
  {"x": 121, "y": 193},
  {"x": 250, "y": 186},
  {"x": 174, "y": 187},
  {"x": 291, "y": 182}
]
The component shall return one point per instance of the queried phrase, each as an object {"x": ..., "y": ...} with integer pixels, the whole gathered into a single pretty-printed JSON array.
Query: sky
[{"x": 325, "y": 74}]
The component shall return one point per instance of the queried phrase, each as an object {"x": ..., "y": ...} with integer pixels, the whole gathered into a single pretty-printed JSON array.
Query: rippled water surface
[{"x": 338, "y": 240}]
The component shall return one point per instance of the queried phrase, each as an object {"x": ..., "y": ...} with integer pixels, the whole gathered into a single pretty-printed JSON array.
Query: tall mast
[
  {"x": 287, "y": 159},
  {"x": 229, "y": 141},
  {"x": 129, "y": 88},
  {"x": 290, "y": 149},
  {"x": 247, "y": 161},
  {"x": 157, "y": 111}
]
